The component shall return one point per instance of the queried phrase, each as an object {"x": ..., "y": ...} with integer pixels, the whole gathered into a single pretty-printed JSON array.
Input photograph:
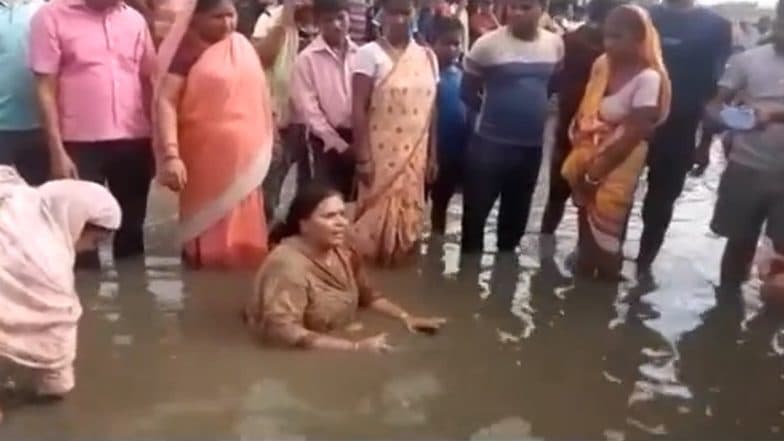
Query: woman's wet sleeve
[{"x": 284, "y": 305}]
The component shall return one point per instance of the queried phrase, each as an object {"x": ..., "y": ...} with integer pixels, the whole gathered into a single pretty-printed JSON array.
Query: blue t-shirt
[
  {"x": 696, "y": 43},
  {"x": 513, "y": 75},
  {"x": 18, "y": 107},
  {"x": 453, "y": 129}
]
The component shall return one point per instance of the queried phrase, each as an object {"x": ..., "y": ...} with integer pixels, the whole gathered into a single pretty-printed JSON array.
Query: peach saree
[
  {"x": 390, "y": 211},
  {"x": 225, "y": 133}
]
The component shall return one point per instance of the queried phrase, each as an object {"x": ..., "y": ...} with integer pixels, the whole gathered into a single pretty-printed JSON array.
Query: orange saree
[
  {"x": 225, "y": 133},
  {"x": 390, "y": 211},
  {"x": 606, "y": 212}
]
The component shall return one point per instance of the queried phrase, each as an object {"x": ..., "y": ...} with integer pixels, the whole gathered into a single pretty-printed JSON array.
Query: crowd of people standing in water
[{"x": 384, "y": 106}]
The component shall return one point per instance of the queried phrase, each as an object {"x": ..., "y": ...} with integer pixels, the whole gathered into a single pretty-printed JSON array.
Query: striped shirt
[{"x": 513, "y": 75}]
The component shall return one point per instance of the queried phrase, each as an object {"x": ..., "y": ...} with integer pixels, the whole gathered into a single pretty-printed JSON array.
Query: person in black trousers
[
  {"x": 696, "y": 43},
  {"x": 506, "y": 78}
]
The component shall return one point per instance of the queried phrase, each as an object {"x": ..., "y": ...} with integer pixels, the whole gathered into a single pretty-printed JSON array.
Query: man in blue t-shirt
[
  {"x": 507, "y": 72},
  {"x": 696, "y": 43}
]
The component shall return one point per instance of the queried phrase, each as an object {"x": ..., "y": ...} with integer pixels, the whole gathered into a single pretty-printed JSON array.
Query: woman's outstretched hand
[
  {"x": 377, "y": 344},
  {"x": 426, "y": 325}
]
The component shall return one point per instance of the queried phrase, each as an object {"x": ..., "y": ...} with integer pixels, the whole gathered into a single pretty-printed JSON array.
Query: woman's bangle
[{"x": 591, "y": 181}]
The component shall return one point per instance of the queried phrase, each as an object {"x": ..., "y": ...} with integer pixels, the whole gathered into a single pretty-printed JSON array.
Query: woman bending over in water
[
  {"x": 313, "y": 283},
  {"x": 41, "y": 230}
]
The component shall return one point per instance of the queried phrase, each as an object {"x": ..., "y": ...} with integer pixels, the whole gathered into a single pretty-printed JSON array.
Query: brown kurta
[{"x": 296, "y": 296}]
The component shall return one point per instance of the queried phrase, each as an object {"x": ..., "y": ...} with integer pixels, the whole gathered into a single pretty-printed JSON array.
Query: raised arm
[{"x": 269, "y": 36}]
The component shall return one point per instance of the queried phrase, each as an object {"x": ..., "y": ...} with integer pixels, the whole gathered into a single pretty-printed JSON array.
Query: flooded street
[{"x": 528, "y": 353}]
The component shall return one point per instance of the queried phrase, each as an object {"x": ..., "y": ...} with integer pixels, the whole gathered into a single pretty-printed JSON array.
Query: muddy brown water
[{"x": 528, "y": 353}]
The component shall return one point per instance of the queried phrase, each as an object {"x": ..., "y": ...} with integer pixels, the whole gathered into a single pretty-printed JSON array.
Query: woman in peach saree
[
  {"x": 628, "y": 94},
  {"x": 394, "y": 85},
  {"x": 215, "y": 135}
]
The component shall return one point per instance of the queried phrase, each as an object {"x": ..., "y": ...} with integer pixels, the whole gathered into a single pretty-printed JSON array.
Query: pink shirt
[
  {"x": 100, "y": 60},
  {"x": 321, "y": 91}
]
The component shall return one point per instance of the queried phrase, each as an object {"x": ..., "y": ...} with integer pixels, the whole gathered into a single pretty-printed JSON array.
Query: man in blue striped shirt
[{"x": 506, "y": 76}]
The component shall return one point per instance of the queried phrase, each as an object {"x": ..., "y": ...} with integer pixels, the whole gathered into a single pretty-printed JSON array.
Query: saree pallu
[
  {"x": 225, "y": 131},
  {"x": 391, "y": 210}
]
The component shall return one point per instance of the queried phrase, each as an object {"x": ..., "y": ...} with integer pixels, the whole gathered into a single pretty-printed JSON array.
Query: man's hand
[{"x": 62, "y": 167}]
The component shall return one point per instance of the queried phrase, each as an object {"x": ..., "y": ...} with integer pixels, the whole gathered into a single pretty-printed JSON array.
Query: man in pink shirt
[
  {"x": 94, "y": 61},
  {"x": 321, "y": 92}
]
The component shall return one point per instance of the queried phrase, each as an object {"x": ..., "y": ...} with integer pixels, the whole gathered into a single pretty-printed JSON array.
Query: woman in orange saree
[
  {"x": 394, "y": 84},
  {"x": 628, "y": 94},
  {"x": 215, "y": 135}
]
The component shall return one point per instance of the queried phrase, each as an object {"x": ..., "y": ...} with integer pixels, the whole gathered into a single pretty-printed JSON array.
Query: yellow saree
[
  {"x": 607, "y": 211},
  {"x": 390, "y": 211}
]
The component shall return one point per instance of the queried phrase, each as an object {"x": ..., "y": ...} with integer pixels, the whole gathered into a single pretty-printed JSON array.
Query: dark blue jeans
[{"x": 494, "y": 170}]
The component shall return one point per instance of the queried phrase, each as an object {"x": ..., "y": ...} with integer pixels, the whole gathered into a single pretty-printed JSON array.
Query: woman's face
[
  {"x": 622, "y": 35},
  {"x": 217, "y": 23},
  {"x": 90, "y": 239},
  {"x": 397, "y": 16},
  {"x": 326, "y": 227}
]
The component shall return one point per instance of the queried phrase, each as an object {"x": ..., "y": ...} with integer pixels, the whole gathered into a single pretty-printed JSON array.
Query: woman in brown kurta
[{"x": 313, "y": 283}]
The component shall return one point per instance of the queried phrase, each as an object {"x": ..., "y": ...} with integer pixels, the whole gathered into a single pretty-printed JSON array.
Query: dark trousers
[
  {"x": 450, "y": 173},
  {"x": 126, "y": 166},
  {"x": 670, "y": 159},
  {"x": 291, "y": 150},
  {"x": 332, "y": 167},
  {"x": 560, "y": 190},
  {"x": 493, "y": 170},
  {"x": 26, "y": 151}
]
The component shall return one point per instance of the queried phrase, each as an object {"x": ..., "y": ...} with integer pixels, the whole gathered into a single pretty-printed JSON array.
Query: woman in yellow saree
[
  {"x": 627, "y": 95},
  {"x": 215, "y": 135},
  {"x": 394, "y": 85}
]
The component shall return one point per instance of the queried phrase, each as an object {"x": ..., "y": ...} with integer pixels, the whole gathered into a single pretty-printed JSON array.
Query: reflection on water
[{"x": 529, "y": 353}]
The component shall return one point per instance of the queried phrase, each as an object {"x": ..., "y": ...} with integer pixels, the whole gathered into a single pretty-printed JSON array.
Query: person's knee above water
[
  {"x": 313, "y": 284},
  {"x": 216, "y": 130},
  {"x": 41, "y": 230},
  {"x": 506, "y": 78},
  {"x": 627, "y": 95},
  {"x": 751, "y": 193}
]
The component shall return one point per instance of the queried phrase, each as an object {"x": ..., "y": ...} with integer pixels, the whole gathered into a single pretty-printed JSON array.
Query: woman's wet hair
[
  {"x": 322, "y": 7},
  {"x": 302, "y": 207},
  {"x": 207, "y": 5}
]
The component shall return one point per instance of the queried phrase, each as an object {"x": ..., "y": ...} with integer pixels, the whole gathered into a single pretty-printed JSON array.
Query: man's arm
[
  {"x": 45, "y": 57},
  {"x": 269, "y": 36},
  {"x": 473, "y": 81}
]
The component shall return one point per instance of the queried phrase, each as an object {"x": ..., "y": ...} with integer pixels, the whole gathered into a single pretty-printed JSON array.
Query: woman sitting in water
[
  {"x": 312, "y": 283},
  {"x": 41, "y": 230}
]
